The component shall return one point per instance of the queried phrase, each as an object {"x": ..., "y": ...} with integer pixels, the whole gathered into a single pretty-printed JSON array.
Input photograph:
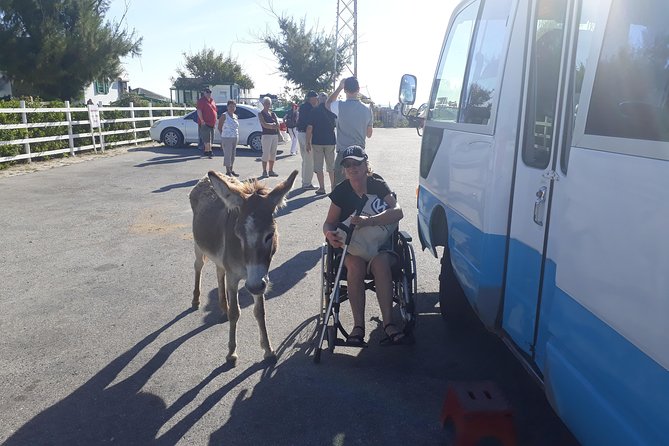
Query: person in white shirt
[{"x": 228, "y": 126}]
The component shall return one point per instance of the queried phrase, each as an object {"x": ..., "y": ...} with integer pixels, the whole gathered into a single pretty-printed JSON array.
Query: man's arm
[
  {"x": 335, "y": 94},
  {"x": 309, "y": 135},
  {"x": 370, "y": 126},
  {"x": 267, "y": 125}
]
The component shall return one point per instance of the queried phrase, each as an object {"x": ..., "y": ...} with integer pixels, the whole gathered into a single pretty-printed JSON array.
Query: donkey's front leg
[
  {"x": 222, "y": 298},
  {"x": 259, "y": 313},
  {"x": 231, "y": 290},
  {"x": 199, "y": 263}
]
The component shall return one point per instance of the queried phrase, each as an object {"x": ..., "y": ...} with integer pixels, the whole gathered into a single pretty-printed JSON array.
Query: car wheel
[
  {"x": 255, "y": 142},
  {"x": 172, "y": 137}
]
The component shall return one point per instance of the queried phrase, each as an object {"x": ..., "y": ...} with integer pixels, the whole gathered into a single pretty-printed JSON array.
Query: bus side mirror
[{"x": 407, "y": 95}]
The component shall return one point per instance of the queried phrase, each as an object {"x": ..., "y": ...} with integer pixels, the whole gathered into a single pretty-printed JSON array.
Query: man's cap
[
  {"x": 206, "y": 90},
  {"x": 312, "y": 94},
  {"x": 353, "y": 153}
]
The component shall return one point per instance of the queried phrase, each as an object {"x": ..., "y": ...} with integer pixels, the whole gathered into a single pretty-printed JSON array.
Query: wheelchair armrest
[{"x": 405, "y": 235}]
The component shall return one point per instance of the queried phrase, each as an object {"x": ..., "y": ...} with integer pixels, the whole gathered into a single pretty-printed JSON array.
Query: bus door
[{"x": 535, "y": 172}]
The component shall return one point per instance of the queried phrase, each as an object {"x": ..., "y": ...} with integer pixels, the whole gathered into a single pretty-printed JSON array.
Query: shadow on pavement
[
  {"x": 101, "y": 413},
  {"x": 362, "y": 396}
]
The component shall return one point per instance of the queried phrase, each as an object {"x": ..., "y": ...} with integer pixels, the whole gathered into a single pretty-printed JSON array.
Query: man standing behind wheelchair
[{"x": 346, "y": 199}]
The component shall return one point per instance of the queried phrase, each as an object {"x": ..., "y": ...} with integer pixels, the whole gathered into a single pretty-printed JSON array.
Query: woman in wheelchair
[{"x": 381, "y": 209}]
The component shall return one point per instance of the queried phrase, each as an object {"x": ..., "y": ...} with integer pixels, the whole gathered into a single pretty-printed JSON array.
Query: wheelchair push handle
[{"x": 357, "y": 213}]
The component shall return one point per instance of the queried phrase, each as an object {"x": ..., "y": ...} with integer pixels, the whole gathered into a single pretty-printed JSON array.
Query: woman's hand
[
  {"x": 333, "y": 239},
  {"x": 362, "y": 220}
]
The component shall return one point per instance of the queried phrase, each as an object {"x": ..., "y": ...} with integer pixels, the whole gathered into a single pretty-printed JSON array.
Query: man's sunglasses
[{"x": 347, "y": 164}]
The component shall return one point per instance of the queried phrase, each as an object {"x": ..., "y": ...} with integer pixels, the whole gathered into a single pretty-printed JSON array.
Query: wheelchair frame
[{"x": 333, "y": 292}]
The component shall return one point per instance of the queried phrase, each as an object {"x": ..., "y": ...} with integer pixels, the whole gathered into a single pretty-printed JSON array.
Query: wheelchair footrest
[{"x": 343, "y": 343}]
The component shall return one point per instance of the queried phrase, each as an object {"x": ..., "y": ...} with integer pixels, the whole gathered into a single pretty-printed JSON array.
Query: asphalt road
[{"x": 99, "y": 345}]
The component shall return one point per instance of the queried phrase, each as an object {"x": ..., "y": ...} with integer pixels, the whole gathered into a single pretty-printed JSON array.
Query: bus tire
[{"x": 449, "y": 287}]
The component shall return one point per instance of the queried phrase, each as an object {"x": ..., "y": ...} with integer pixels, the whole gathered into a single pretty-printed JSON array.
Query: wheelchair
[{"x": 334, "y": 291}]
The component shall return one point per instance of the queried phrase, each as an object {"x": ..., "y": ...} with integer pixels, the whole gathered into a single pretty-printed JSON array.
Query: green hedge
[{"x": 15, "y": 118}]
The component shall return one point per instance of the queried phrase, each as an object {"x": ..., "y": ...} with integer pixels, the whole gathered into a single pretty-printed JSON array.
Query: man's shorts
[
  {"x": 206, "y": 134},
  {"x": 323, "y": 153}
]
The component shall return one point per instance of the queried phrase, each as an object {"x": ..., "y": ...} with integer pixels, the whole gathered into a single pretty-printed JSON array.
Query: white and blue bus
[{"x": 544, "y": 175}]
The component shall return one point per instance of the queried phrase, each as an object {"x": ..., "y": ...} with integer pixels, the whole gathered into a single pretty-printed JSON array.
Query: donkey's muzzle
[{"x": 257, "y": 288}]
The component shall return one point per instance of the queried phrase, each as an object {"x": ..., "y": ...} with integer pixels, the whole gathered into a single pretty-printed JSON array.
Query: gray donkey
[{"x": 234, "y": 226}]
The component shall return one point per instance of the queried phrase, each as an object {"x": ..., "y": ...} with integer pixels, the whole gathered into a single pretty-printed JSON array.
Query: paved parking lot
[{"x": 100, "y": 346}]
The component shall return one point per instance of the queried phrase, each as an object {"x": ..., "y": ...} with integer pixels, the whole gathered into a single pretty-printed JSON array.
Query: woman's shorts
[{"x": 269, "y": 145}]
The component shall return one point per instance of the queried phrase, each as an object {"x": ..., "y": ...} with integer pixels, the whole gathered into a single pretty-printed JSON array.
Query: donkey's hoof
[
  {"x": 270, "y": 357},
  {"x": 231, "y": 360},
  {"x": 195, "y": 304}
]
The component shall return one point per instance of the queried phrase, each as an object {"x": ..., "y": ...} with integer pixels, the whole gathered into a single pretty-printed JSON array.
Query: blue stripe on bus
[{"x": 605, "y": 388}]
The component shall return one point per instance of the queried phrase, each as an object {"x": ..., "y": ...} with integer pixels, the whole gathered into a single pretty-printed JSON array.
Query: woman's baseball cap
[{"x": 353, "y": 153}]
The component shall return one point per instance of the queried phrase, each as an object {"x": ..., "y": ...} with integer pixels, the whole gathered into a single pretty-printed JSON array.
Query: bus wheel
[{"x": 449, "y": 287}]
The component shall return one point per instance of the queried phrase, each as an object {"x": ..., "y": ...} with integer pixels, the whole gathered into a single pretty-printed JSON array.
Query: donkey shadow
[{"x": 100, "y": 413}]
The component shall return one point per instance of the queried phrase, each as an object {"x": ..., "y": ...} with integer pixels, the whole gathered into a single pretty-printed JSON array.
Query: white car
[{"x": 177, "y": 131}]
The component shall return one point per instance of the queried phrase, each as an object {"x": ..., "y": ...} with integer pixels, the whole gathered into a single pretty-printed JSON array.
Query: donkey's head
[{"x": 255, "y": 226}]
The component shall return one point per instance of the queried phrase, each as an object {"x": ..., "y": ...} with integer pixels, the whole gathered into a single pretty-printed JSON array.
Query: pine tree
[
  {"x": 55, "y": 48},
  {"x": 306, "y": 57},
  {"x": 207, "y": 67}
]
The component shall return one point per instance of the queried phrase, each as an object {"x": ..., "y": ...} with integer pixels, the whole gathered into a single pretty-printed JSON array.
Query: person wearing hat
[
  {"x": 354, "y": 120},
  {"x": 206, "y": 120},
  {"x": 309, "y": 103},
  {"x": 380, "y": 209}
]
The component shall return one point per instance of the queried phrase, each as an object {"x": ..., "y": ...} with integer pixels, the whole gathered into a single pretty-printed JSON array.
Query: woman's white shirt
[{"x": 230, "y": 126}]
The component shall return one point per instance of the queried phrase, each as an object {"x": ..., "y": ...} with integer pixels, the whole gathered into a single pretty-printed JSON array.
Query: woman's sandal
[
  {"x": 356, "y": 340},
  {"x": 396, "y": 338}
]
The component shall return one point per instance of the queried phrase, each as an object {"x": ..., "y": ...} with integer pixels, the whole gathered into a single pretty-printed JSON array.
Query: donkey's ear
[
  {"x": 278, "y": 194},
  {"x": 227, "y": 191}
]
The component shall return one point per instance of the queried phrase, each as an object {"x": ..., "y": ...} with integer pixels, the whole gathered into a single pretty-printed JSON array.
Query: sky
[{"x": 394, "y": 37}]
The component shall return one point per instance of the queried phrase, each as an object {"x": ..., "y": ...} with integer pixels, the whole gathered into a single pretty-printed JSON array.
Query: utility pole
[{"x": 347, "y": 31}]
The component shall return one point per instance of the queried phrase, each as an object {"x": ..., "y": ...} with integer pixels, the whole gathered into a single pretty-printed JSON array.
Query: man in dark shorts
[{"x": 206, "y": 120}]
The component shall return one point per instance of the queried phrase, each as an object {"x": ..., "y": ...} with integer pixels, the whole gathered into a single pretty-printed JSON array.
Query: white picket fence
[{"x": 138, "y": 126}]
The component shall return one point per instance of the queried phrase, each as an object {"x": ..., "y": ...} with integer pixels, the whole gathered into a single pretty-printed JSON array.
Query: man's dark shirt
[
  {"x": 303, "y": 116},
  {"x": 323, "y": 122}
]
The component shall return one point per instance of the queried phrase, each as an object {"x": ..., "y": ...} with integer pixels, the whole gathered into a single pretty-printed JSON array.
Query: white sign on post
[{"x": 94, "y": 116}]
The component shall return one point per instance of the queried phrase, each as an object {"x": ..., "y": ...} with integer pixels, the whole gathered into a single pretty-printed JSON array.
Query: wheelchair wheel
[
  {"x": 326, "y": 287},
  {"x": 406, "y": 287}
]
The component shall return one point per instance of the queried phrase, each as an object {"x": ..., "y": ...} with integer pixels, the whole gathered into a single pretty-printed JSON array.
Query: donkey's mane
[{"x": 253, "y": 186}]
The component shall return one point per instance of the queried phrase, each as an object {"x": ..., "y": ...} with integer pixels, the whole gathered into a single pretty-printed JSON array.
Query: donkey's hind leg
[
  {"x": 199, "y": 263},
  {"x": 259, "y": 313},
  {"x": 222, "y": 298}
]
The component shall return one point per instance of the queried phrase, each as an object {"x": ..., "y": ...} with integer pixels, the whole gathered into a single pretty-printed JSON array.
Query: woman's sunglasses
[{"x": 347, "y": 164}]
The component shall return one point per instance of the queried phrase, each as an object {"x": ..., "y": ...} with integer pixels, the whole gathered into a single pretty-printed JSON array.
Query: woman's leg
[
  {"x": 380, "y": 268},
  {"x": 272, "y": 156},
  {"x": 293, "y": 140},
  {"x": 266, "y": 143},
  {"x": 356, "y": 270},
  {"x": 233, "y": 150},
  {"x": 227, "y": 153}
]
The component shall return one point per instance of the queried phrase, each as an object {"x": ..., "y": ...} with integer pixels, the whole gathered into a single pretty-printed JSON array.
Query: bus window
[
  {"x": 543, "y": 82},
  {"x": 447, "y": 89},
  {"x": 486, "y": 61},
  {"x": 631, "y": 89},
  {"x": 586, "y": 28}
]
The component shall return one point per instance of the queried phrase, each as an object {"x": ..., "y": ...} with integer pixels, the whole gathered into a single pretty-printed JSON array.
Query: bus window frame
[{"x": 613, "y": 144}]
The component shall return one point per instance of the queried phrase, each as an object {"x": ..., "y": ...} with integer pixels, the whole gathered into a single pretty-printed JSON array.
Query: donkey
[{"x": 233, "y": 225}]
